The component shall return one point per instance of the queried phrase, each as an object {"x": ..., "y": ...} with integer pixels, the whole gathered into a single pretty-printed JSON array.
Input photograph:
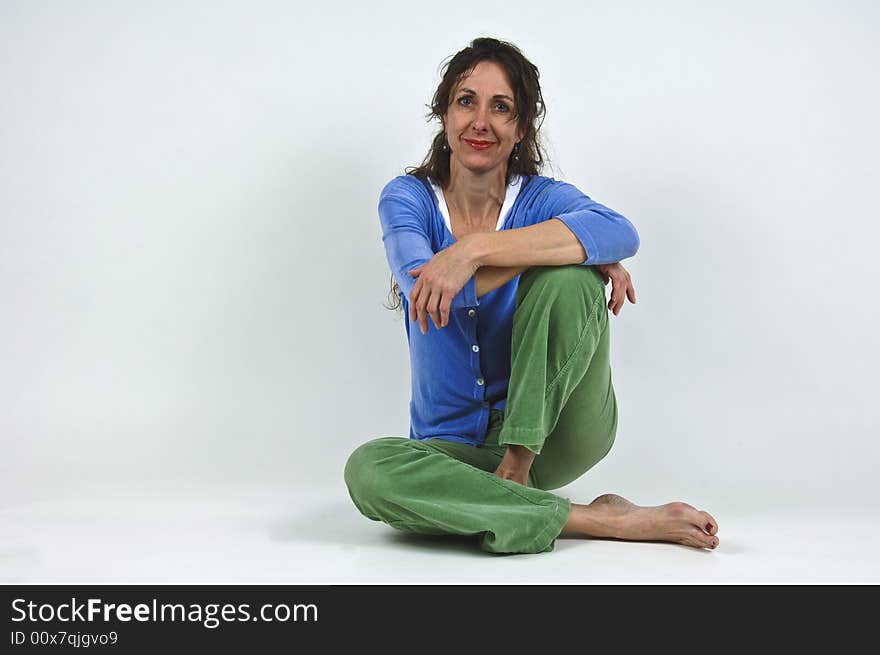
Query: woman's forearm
[{"x": 489, "y": 278}]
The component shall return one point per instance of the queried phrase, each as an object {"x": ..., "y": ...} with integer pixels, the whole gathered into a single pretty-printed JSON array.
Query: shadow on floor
[{"x": 341, "y": 524}]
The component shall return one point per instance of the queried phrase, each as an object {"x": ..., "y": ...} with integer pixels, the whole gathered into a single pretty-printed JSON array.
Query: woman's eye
[{"x": 498, "y": 104}]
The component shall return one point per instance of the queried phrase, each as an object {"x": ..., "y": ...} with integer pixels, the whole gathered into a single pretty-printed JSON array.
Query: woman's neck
[{"x": 475, "y": 200}]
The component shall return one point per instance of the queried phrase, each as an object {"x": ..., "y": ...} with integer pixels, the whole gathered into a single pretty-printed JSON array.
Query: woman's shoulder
[
  {"x": 542, "y": 188},
  {"x": 409, "y": 185},
  {"x": 541, "y": 182},
  {"x": 407, "y": 196}
]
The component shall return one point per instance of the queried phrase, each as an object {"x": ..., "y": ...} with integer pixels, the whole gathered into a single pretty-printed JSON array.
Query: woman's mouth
[{"x": 479, "y": 145}]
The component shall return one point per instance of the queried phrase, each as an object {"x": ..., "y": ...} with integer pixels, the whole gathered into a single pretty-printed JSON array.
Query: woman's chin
[{"x": 479, "y": 165}]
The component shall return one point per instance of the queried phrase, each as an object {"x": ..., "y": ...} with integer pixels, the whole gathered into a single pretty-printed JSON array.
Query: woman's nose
[{"x": 480, "y": 118}]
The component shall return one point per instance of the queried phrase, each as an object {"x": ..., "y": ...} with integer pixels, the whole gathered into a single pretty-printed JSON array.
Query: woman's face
[{"x": 482, "y": 110}]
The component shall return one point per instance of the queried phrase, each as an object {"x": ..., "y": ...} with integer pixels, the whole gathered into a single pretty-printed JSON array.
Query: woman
[{"x": 511, "y": 381}]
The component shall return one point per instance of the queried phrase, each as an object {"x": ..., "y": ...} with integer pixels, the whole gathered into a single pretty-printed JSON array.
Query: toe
[
  {"x": 702, "y": 540},
  {"x": 710, "y": 525}
]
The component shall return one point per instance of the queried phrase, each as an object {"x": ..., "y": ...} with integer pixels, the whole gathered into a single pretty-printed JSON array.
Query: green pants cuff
[
  {"x": 531, "y": 438},
  {"x": 546, "y": 540}
]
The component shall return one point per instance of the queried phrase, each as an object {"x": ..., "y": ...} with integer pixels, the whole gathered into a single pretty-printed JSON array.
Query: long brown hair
[{"x": 528, "y": 104}]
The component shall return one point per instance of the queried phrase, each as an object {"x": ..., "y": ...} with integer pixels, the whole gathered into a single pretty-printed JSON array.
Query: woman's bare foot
[{"x": 612, "y": 516}]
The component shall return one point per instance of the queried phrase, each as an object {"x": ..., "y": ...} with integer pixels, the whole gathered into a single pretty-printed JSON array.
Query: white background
[{"x": 192, "y": 273}]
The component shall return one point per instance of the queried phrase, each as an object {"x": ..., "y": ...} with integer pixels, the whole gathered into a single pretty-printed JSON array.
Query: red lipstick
[{"x": 479, "y": 145}]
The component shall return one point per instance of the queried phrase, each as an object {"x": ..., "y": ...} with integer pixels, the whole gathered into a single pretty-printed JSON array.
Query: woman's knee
[
  {"x": 365, "y": 476},
  {"x": 570, "y": 283}
]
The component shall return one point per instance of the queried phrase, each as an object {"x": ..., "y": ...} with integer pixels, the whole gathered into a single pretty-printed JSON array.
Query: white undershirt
[{"x": 509, "y": 198}]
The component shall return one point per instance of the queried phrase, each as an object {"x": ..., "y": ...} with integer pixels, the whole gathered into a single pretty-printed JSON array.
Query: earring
[
  {"x": 516, "y": 151},
  {"x": 445, "y": 146}
]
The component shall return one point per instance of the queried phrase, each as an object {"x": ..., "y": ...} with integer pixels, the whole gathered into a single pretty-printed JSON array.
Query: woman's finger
[
  {"x": 445, "y": 305},
  {"x": 615, "y": 297},
  {"x": 431, "y": 308},
  {"x": 418, "y": 307},
  {"x": 413, "y": 299},
  {"x": 423, "y": 319},
  {"x": 422, "y": 310},
  {"x": 631, "y": 294},
  {"x": 621, "y": 297}
]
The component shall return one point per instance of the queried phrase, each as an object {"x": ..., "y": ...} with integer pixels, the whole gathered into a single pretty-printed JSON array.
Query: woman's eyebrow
[{"x": 497, "y": 95}]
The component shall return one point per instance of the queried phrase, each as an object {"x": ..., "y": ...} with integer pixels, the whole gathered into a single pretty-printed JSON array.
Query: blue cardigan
[{"x": 461, "y": 371}]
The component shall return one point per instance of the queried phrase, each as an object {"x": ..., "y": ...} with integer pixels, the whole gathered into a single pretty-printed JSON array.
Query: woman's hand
[
  {"x": 439, "y": 280},
  {"x": 621, "y": 285},
  {"x": 515, "y": 464}
]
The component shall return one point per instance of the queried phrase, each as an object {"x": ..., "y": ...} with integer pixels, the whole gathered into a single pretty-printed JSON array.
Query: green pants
[{"x": 560, "y": 404}]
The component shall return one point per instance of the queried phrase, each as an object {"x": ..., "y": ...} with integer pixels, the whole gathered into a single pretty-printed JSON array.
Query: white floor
[{"x": 275, "y": 536}]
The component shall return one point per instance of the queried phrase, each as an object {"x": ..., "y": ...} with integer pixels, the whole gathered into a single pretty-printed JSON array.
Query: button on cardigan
[{"x": 460, "y": 372}]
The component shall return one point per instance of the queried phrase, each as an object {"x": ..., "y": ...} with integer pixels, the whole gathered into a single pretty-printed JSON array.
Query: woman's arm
[
  {"x": 489, "y": 278},
  {"x": 403, "y": 211}
]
